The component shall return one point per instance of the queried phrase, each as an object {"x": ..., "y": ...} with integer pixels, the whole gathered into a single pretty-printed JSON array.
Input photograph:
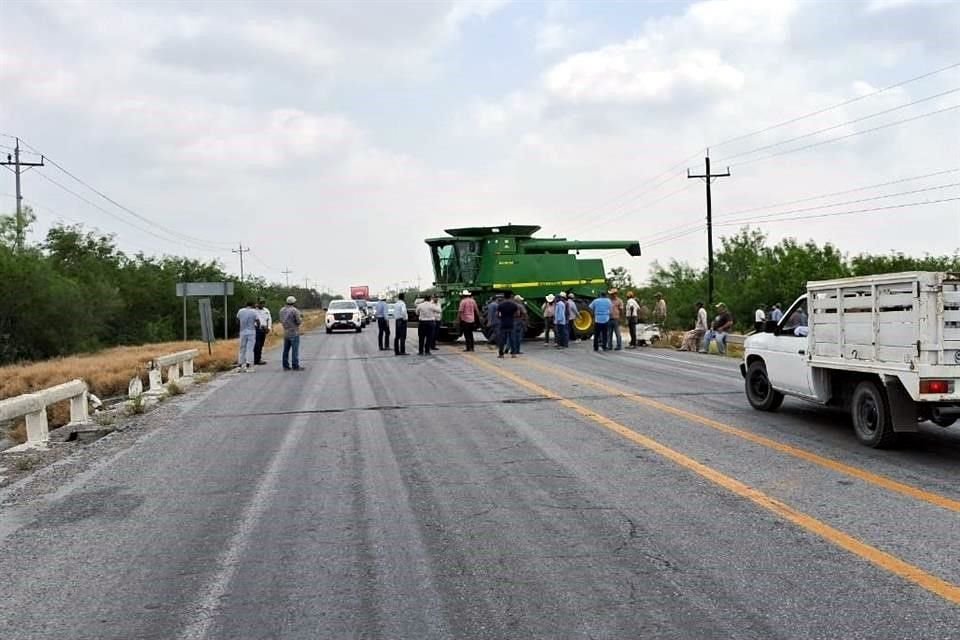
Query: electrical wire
[
  {"x": 841, "y": 193},
  {"x": 171, "y": 232},
  {"x": 840, "y": 213},
  {"x": 835, "y": 106},
  {"x": 848, "y": 202},
  {"x": 837, "y": 126},
  {"x": 124, "y": 220},
  {"x": 849, "y": 135}
]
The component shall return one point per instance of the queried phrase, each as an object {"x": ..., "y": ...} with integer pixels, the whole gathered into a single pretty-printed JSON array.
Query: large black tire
[
  {"x": 943, "y": 422},
  {"x": 872, "y": 423},
  {"x": 359, "y": 329},
  {"x": 584, "y": 324},
  {"x": 447, "y": 335},
  {"x": 533, "y": 331},
  {"x": 329, "y": 330},
  {"x": 760, "y": 393}
]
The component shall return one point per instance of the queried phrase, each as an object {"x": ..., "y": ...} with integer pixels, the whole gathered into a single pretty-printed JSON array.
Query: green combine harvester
[{"x": 491, "y": 260}]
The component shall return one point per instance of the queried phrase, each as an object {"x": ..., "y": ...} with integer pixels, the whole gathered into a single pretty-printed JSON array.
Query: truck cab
[{"x": 886, "y": 348}]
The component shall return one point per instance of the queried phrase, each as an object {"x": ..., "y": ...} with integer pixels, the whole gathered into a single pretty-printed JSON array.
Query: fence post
[
  {"x": 37, "y": 427},
  {"x": 79, "y": 413}
]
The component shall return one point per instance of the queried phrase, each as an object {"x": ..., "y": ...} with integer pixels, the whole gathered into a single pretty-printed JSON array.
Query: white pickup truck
[{"x": 885, "y": 347}]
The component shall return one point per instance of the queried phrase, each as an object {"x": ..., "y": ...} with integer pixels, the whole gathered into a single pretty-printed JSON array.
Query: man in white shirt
[
  {"x": 633, "y": 318},
  {"x": 692, "y": 338},
  {"x": 428, "y": 314},
  {"x": 759, "y": 319},
  {"x": 400, "y": 326},
  {"x": 247, "y": 319},
  {"x": 263, "y": 328}
]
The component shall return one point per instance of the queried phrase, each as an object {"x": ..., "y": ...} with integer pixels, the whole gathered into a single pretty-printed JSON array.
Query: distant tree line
[
  {"x": 750, "y": 272},
  {"x": 76, "y": 292}
]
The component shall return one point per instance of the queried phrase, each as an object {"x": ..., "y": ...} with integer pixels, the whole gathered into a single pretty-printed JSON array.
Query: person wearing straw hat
[
  {"x": 548, "y": 315},
  {"x": 468, "y": 315}
]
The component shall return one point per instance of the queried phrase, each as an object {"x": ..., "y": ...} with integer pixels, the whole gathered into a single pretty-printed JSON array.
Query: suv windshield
[{"x": 341, "y": 305}]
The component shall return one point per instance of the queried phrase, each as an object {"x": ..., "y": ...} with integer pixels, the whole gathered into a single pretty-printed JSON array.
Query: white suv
[{"x": 344, "y": 314}]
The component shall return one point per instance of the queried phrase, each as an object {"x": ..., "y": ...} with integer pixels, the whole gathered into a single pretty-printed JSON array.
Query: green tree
[
  {"x": 8, "y": 226},
  {"x": 620, "y": 278}
]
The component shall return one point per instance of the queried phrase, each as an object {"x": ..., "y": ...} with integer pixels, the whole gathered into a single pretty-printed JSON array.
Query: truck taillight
[{"x": 936, "y": 386}]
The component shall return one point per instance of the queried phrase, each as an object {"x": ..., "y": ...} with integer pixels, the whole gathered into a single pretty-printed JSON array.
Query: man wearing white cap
[
  {"x": 548, "y": 314},
  {"x": 467, "y": 315},
  {"x": 291, "y": 319}
]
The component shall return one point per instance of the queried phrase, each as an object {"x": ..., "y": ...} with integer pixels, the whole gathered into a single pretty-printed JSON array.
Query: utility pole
[
  {"x": 241, "y": 251},
  {"x": 14, "y": 161},
  {"x": 306, "y": 284},
  {"x": 287, "y": 273},
  {"x": 708, "y": 177}
]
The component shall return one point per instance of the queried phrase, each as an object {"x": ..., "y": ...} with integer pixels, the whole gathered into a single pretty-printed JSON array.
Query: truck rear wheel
[
  {"x": 760, "y": 393},
  {"x": 872, "y": 423}
]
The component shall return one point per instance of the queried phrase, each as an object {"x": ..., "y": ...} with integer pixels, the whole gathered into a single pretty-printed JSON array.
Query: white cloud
[{"x": 640, "y": 71}]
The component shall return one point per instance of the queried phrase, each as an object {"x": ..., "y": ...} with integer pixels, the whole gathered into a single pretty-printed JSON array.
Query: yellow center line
[
  {"x": 828, "y": 463},
  {"x": 946, "y": 590}
]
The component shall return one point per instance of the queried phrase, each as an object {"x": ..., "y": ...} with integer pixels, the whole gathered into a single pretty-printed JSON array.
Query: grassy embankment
[{"x": 108, "y": 372}]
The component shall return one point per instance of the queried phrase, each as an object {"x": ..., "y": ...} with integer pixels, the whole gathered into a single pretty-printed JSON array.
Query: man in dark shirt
[{"x": 507, "y": 311}]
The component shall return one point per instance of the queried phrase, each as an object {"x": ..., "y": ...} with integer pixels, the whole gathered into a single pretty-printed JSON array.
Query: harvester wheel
[
  {"x": 447, "y": 334},
  {"x": 533, "y": 331},
  {"x": 583, "y": 324}
]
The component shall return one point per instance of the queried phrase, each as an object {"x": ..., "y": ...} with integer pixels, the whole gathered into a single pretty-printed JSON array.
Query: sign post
[
  {"x": 206, "y": 322},
  {"x": 205, "y": 289}
]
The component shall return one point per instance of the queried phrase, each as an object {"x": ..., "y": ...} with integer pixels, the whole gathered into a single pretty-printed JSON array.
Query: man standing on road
[
  {"x": 507, "y": 313},
  {"x": 435, "y": 327},
  {"x": 383, "y": 324},
  {"x": 291, "y": 319},
  {"x": 467, "y": 315},
  {"x": 777, "y": 313},
  {"x": 613, "y": 327},
  {"x": 428, "y": 313},
  {"x": 263, "y": 329},
  {"x": 601, "y": 318},
  {"x": 560, "y": 318},
  {"x": 633, "y": 317},
  {"x": 400, "y": 321},
  {"x": 248, "y": 320},
  {"x": 548, "y": 315},
  {"x": 660, "y": 312},
  {"x": 493, "y": 322},
  {"x": 572, "y": 313},
  {"x": 520, "y": 325}
]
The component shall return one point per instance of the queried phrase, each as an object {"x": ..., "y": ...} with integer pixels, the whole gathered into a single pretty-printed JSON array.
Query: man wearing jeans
[
  {"x": 601, "y": 318},
  {"x": 248, "y": 320},
  {"x": 613, "y": 326},
  {"x": 721, "y": 327},
  {"x": 291, "y": 319}
]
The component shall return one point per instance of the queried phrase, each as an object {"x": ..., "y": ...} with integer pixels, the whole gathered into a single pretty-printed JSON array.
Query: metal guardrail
[{"x": 33, "y": 406}]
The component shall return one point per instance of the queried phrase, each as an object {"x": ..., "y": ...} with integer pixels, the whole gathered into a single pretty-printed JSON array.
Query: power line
[
  {"x": 842, "y": 124},
  {"x": 844, "y": 213},
  {"x": 849, "y": 135},
  {"x": 708, "y": 178},
  {"x": 836, "y": 106},
  {"x": 241, "y": 251},
  {"x": 841, "y": 204},
  {"x": 172, "y": 232},
  {"x": 120, "y": 218},
  {"x": 841, "y": 193}
]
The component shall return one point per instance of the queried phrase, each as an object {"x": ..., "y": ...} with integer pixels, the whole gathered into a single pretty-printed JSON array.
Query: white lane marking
[{"x": 228, "y": 561}]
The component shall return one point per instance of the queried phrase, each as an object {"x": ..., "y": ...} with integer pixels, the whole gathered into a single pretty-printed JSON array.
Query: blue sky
[{"x": 311, "y": 130}]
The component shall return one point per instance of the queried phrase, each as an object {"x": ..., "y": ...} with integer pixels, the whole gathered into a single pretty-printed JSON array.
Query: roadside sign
[
  {"x": 205, "y": 289},
  {"x": 206, "y": 322}
]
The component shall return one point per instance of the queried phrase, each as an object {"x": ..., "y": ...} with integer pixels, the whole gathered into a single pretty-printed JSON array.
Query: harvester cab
[{"x": 491, "y": 260}]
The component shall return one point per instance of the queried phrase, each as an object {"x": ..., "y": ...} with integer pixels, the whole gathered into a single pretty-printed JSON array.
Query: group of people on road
[{"x": 256, "y": 322}]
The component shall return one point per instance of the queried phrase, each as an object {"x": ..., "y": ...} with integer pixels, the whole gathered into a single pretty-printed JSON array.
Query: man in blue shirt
[
  {"x": 601, "y": 319},
  {"x": 560, "y": 322},
  {"x": 383, "y": 324}
]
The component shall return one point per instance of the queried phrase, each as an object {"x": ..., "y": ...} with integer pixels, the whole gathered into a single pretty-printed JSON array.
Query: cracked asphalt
[{"x": 445, "y": 497}]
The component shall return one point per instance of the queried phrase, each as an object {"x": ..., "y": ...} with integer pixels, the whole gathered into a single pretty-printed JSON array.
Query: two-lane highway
[{"x": 563, "y": 494}]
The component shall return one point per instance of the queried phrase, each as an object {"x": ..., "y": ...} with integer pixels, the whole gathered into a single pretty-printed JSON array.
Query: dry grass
[{"x": 108, "y": 372}]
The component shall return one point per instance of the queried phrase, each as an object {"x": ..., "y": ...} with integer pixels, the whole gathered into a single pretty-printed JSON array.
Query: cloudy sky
[{"x": 333, "y": 137}]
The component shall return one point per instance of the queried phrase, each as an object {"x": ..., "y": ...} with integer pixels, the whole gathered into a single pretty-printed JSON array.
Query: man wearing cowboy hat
[
  {"x": 467, "y": 315},
  {"x": 548, "y": 315},
  {"x": 560, "y": 320}
]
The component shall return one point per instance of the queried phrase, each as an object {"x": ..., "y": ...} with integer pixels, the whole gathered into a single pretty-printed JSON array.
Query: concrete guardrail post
[{"x": 33, "y": 407}]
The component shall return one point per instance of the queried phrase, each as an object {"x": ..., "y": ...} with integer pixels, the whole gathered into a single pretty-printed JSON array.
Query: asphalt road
[{"x": 562, "y": 494}]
